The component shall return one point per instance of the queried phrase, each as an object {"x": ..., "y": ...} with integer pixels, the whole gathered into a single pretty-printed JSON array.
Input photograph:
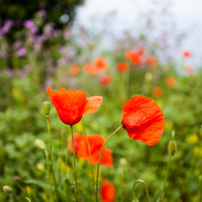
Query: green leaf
[{"x": 43, "y": 185}]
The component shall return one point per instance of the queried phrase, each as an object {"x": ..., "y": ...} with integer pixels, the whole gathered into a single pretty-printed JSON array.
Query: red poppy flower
[
  {"x": 143, "y": 119},
  {"x": 157, "y": 91},
  {"x": 134, "y": 57},
  {"x": 101, "y": 64},
  {"x": 96, "y": 142},
  {"x": 151, "y": 61},
  {"x": 80, "y": 145},
  {"x": 72, "y": 105},
  {"x": 186, "y": 54},
  {"x": 122, "y": 66},
  {"x": 170, "y": 81},
  {"x": 105, "y": 80},
  {"x": 107, "y": 191},
  {"x": 90, "y": 69},
  {"x": 73, "y": 70}
]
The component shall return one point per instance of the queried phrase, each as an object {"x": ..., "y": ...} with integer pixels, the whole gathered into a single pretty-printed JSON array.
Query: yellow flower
[
  {"x": 196, "y": 151},
  {"x": 28, "y": 189},
  {"x": 197, "y": 172},
  {"x": 193, "y": 138}
]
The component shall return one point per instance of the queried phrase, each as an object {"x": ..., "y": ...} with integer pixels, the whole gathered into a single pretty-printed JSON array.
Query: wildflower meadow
[{"x": 84, "y": 123}]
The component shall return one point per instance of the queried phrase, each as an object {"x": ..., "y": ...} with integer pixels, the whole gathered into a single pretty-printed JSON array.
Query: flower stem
[
  {"x": 200, "y": 188},
  {"x": 48, "y": 172},
  {"x": 146, "y": 189},
  {"x": 89, "y": 151},
  {"x": 51, "y": 157},
  {"x": 98, "y": 166},
  {"x": 74, "y": 164},
  {"x": 66, "y": 156},
  {"x": 164, "y": 184}
]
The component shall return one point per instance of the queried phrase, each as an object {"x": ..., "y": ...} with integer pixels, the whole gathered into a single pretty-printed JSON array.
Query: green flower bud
[
  {"x": 172, "y": 147},
  {"x": 7, "y": 189},
  {"x": 46, "y": 108}
]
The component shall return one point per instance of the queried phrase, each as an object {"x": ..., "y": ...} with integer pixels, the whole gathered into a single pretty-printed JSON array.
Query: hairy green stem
[
  {"x": 74, "y": 164},
  {"x": 98, "y": 166},
  {"x": 146, "y": 189},
  {"x": 89, "y": 151},
  {"x": 48, "y": 171},
  {"x": 164, "y": 184},
  {"x": 66, "y": 156},
  {"x": 51, "y": 157},
  {"x": 200, "y": 189}
]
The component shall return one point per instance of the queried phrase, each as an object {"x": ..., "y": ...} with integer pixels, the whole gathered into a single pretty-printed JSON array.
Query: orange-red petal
[
  {"x": 143, "y": 119},
  {"x": 92, "y": 104},
  {"x": 106, "y": 158},
  {"x": 80, "y": 144},
  {"x": 107, "y": 192}
]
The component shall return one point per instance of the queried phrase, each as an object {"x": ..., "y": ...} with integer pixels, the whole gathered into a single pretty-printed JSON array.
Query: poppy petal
[
  {"x": 92, "y": 104},
  {"x": 143, "y": 119}
]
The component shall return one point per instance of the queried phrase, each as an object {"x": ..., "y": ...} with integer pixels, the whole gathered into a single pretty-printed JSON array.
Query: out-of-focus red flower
[
  {"x": 143, "y": 119},
  {"x": 141, "y": 51},
  {"x": 72, "y": 105},
  {"x": 96, "y": 142},
  {"x": 134, "y": 57},
  {"x": 186, "y": 54},
  {"x": 74, "y": 69},
  {"x": 190, "y": 70},
  {"x": 101, "y": 64},
  {"x": 122, "y": 67},
  {"x": 151, "y": 61},
  {"x": 157, "y": 91},
  {"x": 80, "y": 145},
  {"x": 170, "y": 81},
  {"x": 90, "y": 69},
  {"x": 106, "y": 158},
  {"x": 107, "y": 191},
  {"x": 105, "y": 80}
]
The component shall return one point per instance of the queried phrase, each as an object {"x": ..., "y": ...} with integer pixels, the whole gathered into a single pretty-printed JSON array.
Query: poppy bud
[
  {"x": 46, "y": 108},
  {"x": 7, "y": 189},
  {"x": 123, "y": 161},
  {"x": 40, "y": 144},
  {"x": 172, "y": 147},
  {"x": 40, "y": 166}
]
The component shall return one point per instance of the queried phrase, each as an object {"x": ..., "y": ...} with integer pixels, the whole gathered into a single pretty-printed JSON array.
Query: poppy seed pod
[{"x": 46, "y": 108}]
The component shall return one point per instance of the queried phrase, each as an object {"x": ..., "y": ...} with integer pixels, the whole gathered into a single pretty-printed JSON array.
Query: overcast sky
[{"x": 187, "y": 14}]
